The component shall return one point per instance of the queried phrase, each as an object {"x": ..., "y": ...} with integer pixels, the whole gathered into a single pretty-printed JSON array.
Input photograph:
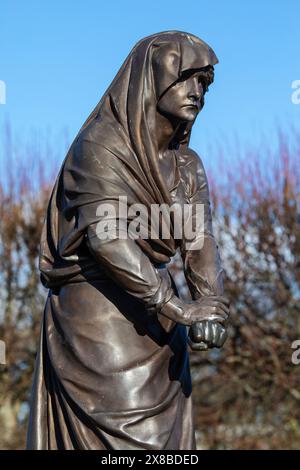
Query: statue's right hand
[
  {"x": 209, "y": 308},
  {"x": 207, "y": 334}
]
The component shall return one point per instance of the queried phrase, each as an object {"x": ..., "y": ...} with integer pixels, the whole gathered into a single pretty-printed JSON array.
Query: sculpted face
[{"x": 183, "y": 100}]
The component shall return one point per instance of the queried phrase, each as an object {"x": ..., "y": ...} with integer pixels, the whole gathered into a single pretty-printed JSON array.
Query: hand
[
  {"x": 208, "y": 308},
  {"x": 207, "y": 334},
  {"x": 213, "y": 308}
]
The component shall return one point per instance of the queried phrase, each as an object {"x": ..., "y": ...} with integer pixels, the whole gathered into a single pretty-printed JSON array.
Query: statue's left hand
[{"x": 206, "y": 334}]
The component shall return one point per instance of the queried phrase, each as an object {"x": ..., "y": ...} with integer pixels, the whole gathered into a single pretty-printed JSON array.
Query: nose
[{"x": 195, "y": 89}]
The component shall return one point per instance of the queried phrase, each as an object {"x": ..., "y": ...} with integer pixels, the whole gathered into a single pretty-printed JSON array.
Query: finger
[
  {"x": 209, "y": 314},
  {"x": 208, "y": 332},
  {"x": 223, "y": 337},
  {"x": 219, "y": 311},
  {"x": 213, "y": 317},
  {"x": 212, "y": 303},
  {"x": 224, "y": 308},
  {"x": 201, "y": 346},
  {"x": 216, "y": 328},
  {"x": 197, "y": 332},
  {"x": 223, "y": 299}
]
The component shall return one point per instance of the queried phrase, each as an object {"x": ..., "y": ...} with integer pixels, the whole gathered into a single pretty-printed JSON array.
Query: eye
[{"x": 185, "y": 75}]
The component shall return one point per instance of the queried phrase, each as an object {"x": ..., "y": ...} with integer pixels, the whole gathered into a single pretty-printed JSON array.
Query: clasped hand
[{"x": 209, "y": 332}]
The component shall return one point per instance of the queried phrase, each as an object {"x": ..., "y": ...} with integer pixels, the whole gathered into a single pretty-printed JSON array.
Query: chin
[
  {"x": 187, "y": 113},
  {"x": 189, "y": 116}
]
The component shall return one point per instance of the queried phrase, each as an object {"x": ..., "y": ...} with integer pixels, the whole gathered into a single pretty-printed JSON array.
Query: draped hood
[{"x": 116, "y": 154}]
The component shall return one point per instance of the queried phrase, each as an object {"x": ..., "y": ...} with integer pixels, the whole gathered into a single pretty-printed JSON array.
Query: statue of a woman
[{"x": 112, "y": 370}]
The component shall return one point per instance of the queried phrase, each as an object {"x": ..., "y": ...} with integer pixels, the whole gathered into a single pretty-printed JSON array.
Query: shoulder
[
  {"x": 188, "y": 157},
  {"x": 86, "y": 153},
  {"x": 87, "y": 141},
  {"x": 192, "y": 170}
]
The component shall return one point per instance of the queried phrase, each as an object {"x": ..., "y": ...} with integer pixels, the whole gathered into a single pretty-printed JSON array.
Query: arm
[
  {"x": 202, "y": 264},
  {"x": 132, "y": 270},
  {"x": 127, "y": 265}
]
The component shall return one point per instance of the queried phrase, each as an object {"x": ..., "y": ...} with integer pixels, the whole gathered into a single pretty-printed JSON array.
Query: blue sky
[{"x": 58, "y": 57}]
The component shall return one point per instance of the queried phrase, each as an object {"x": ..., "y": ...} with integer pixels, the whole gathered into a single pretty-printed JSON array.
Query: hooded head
[
  {"x": 175, "y": 53},
  {"x": 129, "y": 105},
  {"x": 155, "y": 64}
]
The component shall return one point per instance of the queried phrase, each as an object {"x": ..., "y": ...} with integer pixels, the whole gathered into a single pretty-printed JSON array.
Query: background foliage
[{"x": 246, "y": 396}]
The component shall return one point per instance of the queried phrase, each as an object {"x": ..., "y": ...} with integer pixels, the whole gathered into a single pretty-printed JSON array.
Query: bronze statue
[{"x": 112, "y": 370}]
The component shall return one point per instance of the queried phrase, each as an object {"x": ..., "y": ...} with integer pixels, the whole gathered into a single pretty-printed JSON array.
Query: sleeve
[
  {"x": 93, "y": 180},
  {"x": 200, "y": 254},
  {"x": 131, "y": 269}
]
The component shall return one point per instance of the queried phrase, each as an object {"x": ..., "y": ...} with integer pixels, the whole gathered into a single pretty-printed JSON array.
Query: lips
[{"x": 193, "y": 106}]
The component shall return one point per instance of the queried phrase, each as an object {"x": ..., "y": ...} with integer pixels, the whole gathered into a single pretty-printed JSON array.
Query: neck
[{"x": 165, "y": 132}]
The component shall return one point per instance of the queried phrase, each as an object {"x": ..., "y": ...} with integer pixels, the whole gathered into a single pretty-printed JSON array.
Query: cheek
[
  {"x": 180, "y": 93},
  {"x": 173, "y": 100}
]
